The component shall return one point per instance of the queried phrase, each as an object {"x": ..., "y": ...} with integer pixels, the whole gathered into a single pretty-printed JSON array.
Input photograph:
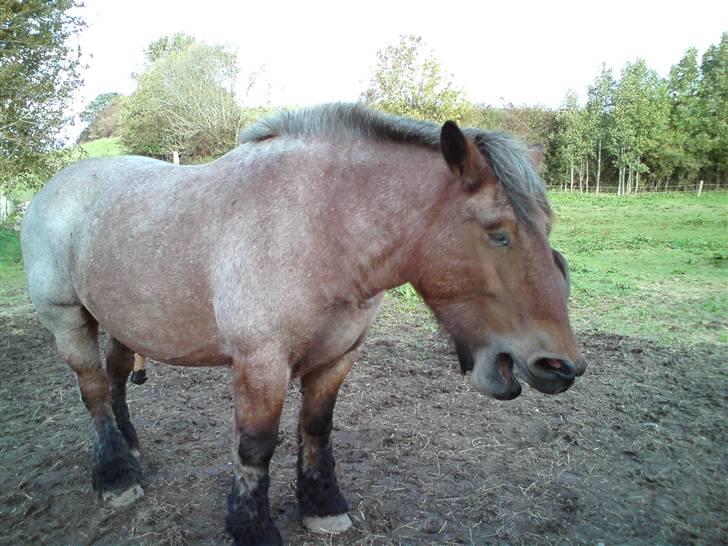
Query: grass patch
[
  {"x": 12, "y": 278},
  {"x": 654, "y": 265},
  {"x": 104, "y": 147}
]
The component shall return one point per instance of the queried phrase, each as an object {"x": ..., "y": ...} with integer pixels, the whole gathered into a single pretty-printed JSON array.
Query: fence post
[
  {"x": 700, "y": 188},
  {"x": 175, "y": 157}
]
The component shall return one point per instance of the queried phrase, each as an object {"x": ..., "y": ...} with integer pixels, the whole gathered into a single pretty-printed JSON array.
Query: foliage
[
  {"x": 12, "y": 279},
  {"x": 103, "y": 118},
  {"x": 100, "y": 103},
  {"x": 184, "y": 102},
  {"x": 39, "y": 71},
  {"x": 409, "y": 81},
  {"x": 167, "y": 44},
  {"x": 713, "y": 95},
  {"x": 642, "y": 130}
]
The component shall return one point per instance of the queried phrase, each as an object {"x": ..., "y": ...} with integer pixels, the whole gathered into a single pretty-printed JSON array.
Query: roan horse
[{"x": 275, "y": 259}]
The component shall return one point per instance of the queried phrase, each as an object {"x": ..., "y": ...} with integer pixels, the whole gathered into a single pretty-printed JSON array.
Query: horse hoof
[
  {"x": 328, "y": 524},
  {"x": 138, "y": 377},
  {"x": 125, "y": 498}
]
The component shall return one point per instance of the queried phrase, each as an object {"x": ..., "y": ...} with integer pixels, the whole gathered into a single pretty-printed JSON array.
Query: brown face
[{"x": 497, "y": 286}]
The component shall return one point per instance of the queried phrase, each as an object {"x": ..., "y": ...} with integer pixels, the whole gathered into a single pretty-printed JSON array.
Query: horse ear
[{"x": 462, "y": 156}]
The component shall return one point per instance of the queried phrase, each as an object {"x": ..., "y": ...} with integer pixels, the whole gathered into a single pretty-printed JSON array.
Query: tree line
[{"x": 635, "y": 131}]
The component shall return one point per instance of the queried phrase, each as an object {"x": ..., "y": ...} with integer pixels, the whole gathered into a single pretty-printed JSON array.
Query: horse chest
[{"x": 342, "y": 331}]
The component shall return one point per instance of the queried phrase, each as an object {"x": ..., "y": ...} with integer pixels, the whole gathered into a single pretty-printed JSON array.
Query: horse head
[{"x": 486, "y": 268}]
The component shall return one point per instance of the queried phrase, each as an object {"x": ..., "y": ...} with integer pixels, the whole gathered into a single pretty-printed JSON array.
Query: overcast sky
[{"x": 522, "y": 52}]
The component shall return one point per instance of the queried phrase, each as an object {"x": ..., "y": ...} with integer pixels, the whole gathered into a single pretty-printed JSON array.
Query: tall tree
[
  {"x": 599, "y": 110},
  {"x": 641, "y": 115},
  {"x": 686, "y": 117},
  {"x": 409, "y": 81},
  {"x": 572, "y": 140},
  {"x": 39, "y": 71},
  {"x": 713, "y": 94},
  {"x": 184, "y": 103}
]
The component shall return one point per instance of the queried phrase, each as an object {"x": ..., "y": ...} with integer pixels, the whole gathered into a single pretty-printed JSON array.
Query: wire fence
[{"x": 697, "y": 188}]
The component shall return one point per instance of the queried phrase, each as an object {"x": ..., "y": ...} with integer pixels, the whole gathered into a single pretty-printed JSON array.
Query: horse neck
[{"x": 391, "y": 205}]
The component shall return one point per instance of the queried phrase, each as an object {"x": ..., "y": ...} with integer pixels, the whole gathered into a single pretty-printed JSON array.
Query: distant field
[
  {"x": 104, "y": 147},
  {"x": 652, "y": 265}
]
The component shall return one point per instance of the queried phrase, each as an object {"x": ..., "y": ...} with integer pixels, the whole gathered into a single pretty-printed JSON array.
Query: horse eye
[{"x": 500, "y": 238}]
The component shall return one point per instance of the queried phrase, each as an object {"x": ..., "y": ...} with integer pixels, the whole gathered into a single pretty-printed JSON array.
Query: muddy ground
[{"x": 634, "y": 453}]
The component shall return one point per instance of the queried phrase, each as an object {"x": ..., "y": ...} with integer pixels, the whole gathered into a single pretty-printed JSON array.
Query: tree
[
  {"x": 641, "y": 115},
  {"x": 573, "y": 139},
  {"x": 409, "y": 81},
  {"x": 39, "y": 71},
  {"x": 166, "y": 45},
  {"x": 599, "y": 110},
  {"x": 713, "y": 95},
  {"x": 103, "y": 117},
  {"x": 184, "y": 103},
  {"x": 100, "y": 103}
]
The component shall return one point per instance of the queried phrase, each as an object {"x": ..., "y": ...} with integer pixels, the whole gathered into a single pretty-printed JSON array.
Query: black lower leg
[
  {"x": 121, "y": 413},
  {"x": 119, "y": 363},
  {"x": 116, "y": 468},
  {"x": 248, "y": 520},
  {"x": 316, "y": 488}
]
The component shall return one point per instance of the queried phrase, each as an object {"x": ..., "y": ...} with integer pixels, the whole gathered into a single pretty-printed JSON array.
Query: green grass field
[
  {"x": 651, "y": 265},
  {"x": 104, "y": 147}
]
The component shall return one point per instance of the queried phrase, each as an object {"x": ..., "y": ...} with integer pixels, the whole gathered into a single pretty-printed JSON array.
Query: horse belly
[
  {"x": 168, "y": 333},
  {"x": 159, "y": 308}
]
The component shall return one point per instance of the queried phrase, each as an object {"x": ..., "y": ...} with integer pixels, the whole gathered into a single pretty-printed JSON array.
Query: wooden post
[
  {"x": 175, "y": 157},
  {"x": 700, "y": 188}
]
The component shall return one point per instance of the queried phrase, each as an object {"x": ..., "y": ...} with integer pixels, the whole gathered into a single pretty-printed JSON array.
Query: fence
[
  {"x": 6, "y": 208},
  {"x": 697, "y": 188}
]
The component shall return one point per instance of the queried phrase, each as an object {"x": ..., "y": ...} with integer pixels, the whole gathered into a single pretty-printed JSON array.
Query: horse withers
[{"x": 274, "y": 259}]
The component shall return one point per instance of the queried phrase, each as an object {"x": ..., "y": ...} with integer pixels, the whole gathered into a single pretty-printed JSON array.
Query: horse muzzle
[{"x": 492, "y": 372}]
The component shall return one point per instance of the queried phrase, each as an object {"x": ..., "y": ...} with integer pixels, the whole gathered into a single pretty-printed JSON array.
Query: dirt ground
[{"x": 634, "y": 453}]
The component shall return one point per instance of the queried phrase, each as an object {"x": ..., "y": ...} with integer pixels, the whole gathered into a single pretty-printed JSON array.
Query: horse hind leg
[
  {"x": 117, "y": 474},
  {"x": 119, "y": 363}
]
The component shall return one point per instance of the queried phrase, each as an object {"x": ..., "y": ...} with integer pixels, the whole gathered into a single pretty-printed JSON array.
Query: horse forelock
[
  {"x": 509, "y": 158},
  {"x": 516, "y": 172}
]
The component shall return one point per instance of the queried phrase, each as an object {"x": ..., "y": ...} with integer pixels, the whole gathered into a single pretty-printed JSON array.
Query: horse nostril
[
  {"x": 562, "y": 368},
  {"x": 554, "y": 363}
]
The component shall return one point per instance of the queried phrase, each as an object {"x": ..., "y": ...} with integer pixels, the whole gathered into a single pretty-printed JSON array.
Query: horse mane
[{"x": 508, "y": 157}]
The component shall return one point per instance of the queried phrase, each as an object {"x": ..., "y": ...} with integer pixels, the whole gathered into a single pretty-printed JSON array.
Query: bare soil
[{"x": 634, "y": 453}]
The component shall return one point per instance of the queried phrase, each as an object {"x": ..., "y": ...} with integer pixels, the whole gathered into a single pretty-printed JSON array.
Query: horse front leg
[
  {"x": 260, "y": 389},
  {"x": 323, "y": 507}
]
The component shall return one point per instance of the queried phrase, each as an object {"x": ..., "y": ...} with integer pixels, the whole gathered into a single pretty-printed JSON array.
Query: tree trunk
[
  {"x": 629, "y": 180},
  {"x": 571, "y": 186},
  {"x": 599, "y": 164}
]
